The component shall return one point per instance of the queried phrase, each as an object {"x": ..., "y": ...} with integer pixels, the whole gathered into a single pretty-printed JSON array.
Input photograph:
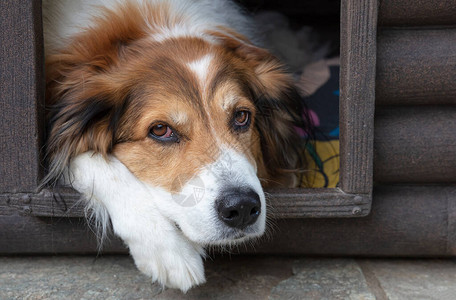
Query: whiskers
[{"x": 271, "y": 225}]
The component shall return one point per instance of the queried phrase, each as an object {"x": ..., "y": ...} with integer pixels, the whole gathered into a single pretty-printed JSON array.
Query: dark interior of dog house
[{"x": 305, "y": 37}]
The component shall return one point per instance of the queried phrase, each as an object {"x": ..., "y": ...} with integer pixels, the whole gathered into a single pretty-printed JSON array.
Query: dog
[{"x": 170, "y": 121}]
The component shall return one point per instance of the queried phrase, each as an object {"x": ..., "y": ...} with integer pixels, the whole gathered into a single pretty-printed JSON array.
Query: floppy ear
[
  {"x": 84, "y": 100},
  {"x": 280, "y": 111},
  {"x": 76, "y": 127},
  {"x": 79, "y": 122}
]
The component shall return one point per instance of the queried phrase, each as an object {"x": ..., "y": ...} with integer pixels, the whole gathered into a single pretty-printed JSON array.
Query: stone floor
[{"x": 235, "y": 277}]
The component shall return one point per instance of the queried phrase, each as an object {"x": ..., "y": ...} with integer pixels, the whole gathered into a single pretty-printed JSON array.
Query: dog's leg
[{"x": 157, "y": 246}]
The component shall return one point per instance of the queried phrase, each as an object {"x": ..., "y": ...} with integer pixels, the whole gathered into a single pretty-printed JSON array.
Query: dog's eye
[
  {"x": 163, "y": 132},
  {"x": 241, "y": 120}
]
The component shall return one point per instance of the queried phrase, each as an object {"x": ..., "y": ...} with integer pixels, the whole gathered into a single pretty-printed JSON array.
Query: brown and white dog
[{"x": 168, "y": 120}]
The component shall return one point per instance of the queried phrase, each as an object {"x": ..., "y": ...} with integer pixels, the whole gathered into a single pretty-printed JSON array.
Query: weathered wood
[
  {"x": 317, "y": 203},
  {"x": 405, "y": 221},
  {"x": 357, "y": 94},
  {"x": 415, "y": 144},
  {"x": 32, "y": 235},
  {"x": 417, "y": 12},
  {"x": 61, "y": 202},
  {"x": 21, "y": 95},
  {"x": 286, "y": 203},
  {"x": 416, "y": 66}
]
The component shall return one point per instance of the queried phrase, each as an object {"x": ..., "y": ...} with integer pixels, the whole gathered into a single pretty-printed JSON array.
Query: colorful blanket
[{"x": 319, "y": 85}]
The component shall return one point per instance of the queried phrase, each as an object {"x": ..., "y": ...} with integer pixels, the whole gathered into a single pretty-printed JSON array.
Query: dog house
[{"x": 397, "y": 192}]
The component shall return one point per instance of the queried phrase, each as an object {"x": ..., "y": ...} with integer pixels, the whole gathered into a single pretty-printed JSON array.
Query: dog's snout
[{"x": 238, "y": 208}]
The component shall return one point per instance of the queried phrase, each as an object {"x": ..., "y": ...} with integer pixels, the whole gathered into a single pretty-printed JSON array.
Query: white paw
[
  {"x": 179, "y": 267},
  {"x": 157, "y": 246}
]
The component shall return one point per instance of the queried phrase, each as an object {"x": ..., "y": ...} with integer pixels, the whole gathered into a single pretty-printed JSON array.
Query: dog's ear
[
  {"x": 84, "y": 98},
  {"x": 88, "y": 123},
  {"x": 281, "y": 112},
  {"x": 79, "y": 123}
]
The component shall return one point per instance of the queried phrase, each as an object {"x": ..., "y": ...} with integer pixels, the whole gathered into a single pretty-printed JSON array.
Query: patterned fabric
[{"x": 319, "y": 86}]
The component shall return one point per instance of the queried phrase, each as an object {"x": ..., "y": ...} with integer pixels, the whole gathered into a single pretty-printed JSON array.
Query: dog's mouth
[
  {"x": 233, "y": 235},
  {"x": 236, "y": 236},
  {"x": 178, "y": 227},
  {"x": 228, "y": 235}
]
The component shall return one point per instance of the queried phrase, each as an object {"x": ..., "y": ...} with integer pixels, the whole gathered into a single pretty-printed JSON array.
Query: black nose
[{"x": 238, "y": 208}]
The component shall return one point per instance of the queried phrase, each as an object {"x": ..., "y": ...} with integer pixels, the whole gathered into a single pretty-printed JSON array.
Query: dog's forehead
[
  {"x": 201, "y": 67},
  {"x": 193, "y": 71}
]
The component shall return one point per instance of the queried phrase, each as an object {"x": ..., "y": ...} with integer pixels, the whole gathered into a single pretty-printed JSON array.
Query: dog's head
[{"x": 204, "y": 121}]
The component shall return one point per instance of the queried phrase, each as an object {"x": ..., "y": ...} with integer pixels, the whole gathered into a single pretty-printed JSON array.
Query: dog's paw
[
  {"x": 179, "y": 266},
  {"x": 159, "y": 249}
]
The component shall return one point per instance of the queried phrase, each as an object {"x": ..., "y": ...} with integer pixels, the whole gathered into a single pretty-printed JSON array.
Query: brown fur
[{"x": 107, "y": 88}]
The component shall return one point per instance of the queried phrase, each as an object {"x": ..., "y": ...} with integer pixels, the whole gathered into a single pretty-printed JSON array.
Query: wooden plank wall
[
  {"x": 415, "y": 120},
  {"x": 415, "y": 144},
  {"x": 416, "y": 66},
  {"x": 417, "y": 12}
]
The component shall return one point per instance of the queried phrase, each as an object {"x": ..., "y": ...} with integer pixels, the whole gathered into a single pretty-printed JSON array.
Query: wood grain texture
[
  {"x": 357, "y": 94},
  {"x": 417, "y": 12},
  {"x": 287, "y": 203},
  {"x": 405, "y": 221},
  {"x": 317, "y": 203},
  {"x": 61, "y": 202},
  {"x": 31, "y": 235},
  {"x": 415, "y": 144},
  {"x": 416, "y": 66},
  {"x": 21, "y": 95}
]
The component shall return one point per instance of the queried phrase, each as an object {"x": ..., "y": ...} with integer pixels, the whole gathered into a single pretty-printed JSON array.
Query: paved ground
[{"x": 236, "y": 277}]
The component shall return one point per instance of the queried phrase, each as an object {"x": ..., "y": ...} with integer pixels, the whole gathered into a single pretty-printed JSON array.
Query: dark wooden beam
[
  {"x": 21, "y": 234},
  {"x": 21, "y": 95},
  {"x": 415, "y": 144},
  {"x": 417, "y": 12},
  {"x": 416, "y": 66},
  {"x": 285, "y": 203},
  {"x": 357, "y": 94}
]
